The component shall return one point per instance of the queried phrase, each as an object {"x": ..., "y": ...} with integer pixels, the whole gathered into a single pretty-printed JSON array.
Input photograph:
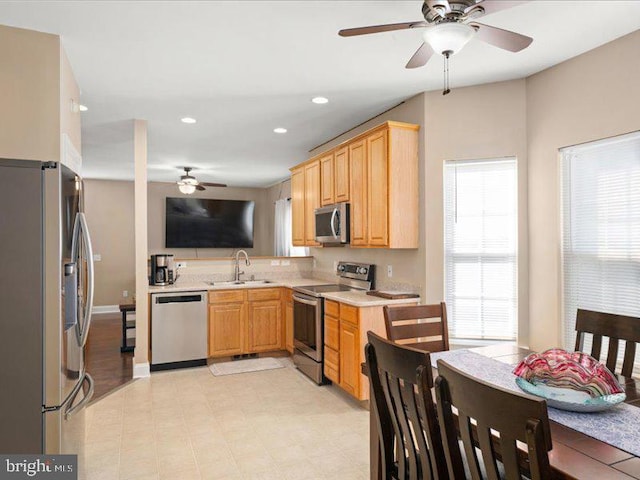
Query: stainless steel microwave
[{"x": 332, "y": 224}]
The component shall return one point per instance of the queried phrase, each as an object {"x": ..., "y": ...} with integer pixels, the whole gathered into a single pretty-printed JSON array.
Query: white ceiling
[{"x": 243, "y": 68}]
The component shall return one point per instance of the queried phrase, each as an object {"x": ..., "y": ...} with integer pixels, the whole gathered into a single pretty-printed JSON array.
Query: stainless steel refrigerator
[{"x": 46, "y": 296}]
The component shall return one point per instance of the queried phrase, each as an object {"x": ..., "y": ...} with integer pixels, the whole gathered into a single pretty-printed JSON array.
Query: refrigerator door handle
[
  {"x": 80, "y": 228},
  {"x": 69, "y": 410}
]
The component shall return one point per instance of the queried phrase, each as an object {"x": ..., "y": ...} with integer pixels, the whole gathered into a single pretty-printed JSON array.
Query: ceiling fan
[
  {"x": 449, "y": 26},
  {"x": 189, "y": 184}
]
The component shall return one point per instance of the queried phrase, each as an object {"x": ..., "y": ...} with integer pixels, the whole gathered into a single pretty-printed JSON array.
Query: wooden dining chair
[
  {"x": 515, "y": 416},
  {"x": 419, "y": 326},
  {"x": 410, "y": 442},
  {"x": 616, "y": 328}
]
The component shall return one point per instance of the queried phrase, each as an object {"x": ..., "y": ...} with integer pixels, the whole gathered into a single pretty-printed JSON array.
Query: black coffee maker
[{"x": 162, "y": 270}]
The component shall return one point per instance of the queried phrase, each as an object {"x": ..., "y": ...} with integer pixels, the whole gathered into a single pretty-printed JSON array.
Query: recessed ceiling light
[
  {"x": 83, "y": 108},
  {"x": 280, "y": 130},
  {"x": 320, "y": 100},
  {"x": 188, "y": 120}
]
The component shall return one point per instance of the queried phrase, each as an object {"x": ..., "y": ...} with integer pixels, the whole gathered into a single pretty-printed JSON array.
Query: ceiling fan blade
[
  {"x": 492, "y": 6},
  {"x": 200, "y": 188},
  {"x": 421, "y": 57},
  {"x": 440, "y": 7},
  {"x": 351, "y": 32},
  {"x": 208, "y": 184},
  {"x": 506, "y": 39}
]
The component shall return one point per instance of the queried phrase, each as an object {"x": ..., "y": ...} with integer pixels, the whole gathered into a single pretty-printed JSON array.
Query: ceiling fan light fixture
[
  {"x": 448, "y": 37},
  {"x": 186, "y": 188}
]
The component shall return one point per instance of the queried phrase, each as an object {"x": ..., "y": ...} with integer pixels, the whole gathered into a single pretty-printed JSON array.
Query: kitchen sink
[{"x": 241, "y": 282}]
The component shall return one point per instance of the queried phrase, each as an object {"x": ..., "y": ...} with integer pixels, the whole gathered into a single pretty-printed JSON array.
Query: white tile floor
[{"x": 188, "y": 424}]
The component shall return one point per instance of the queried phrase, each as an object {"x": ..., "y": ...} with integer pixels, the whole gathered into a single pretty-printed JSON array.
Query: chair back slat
[
  {"x": 420, "y": 326},
  {"x": 466, "y": 434},
  {"x": 629, "y": 358},
  {"x": 396, "y": 372},
  {"x": 486, "y": 447},
  {"x": 596, "y": 346},
  {"x": 509, "y": 456},
  {"x": 612, "y": 354},
  {"x": 615, "y": 328},
  {"x": 508, "y": 413}
]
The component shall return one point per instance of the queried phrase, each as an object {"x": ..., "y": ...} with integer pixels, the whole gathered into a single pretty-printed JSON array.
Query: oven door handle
[{"x": 313, "y": 303}]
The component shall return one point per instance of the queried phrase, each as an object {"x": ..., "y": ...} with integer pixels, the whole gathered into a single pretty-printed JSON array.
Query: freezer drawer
[{"x": 178, "y": 329}]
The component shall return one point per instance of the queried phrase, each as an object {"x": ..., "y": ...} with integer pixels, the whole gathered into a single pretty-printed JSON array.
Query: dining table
[{"x": 575, "y": 455}]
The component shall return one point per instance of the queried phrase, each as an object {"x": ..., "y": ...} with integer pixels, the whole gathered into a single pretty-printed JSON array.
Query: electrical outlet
[
  {"x": 125, "y": 293},
  {"x": 275, "y": 263},
  {"x": 285, "y": 263},
  {"x": 181, "y": 264},
  {"x": 389, "y": 271},
  {"x": 97, "y": 257}
]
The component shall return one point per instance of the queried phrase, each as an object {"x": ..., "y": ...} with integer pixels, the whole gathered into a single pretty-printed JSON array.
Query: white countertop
[
  {"x": 357, "y": 299},
  {"x": 361, "y": 299},
  {"x": 200, "y": 286}
]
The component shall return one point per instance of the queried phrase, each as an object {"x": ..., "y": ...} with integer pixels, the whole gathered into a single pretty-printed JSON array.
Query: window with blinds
[
  {"x": 481, "y": 248},
  {"x": 600, "y": 230}
]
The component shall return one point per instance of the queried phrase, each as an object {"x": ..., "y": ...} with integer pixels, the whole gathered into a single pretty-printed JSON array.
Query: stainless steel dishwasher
[{"x": 178, "y": 330}]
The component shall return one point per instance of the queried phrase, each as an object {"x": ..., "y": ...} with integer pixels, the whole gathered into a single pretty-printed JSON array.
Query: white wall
[{"x": 593, "y": 96}]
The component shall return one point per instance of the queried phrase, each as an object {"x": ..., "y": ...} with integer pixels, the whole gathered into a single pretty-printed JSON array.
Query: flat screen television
[{"x": 208, "y": 223}]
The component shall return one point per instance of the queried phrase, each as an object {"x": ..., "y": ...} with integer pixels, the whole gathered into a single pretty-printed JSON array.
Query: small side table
[{"x": 126, "y": 325}]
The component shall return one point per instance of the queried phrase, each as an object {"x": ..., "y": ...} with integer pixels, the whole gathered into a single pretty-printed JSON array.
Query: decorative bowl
[{"x": 571, "y": 381}]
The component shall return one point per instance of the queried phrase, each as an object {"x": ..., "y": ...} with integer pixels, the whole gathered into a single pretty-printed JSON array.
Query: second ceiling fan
[
  {"x": 449, "y": 25},
  {"x": 189, "y": 184}
]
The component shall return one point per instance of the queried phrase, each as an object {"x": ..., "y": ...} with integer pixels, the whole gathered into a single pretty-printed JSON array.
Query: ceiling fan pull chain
[{"x": 446, "y": 54}]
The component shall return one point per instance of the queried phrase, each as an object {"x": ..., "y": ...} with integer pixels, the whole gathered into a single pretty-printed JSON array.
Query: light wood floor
[{"x": 109, "y": 368}]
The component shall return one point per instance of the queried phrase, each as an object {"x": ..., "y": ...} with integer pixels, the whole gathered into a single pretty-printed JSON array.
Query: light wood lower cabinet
[
  {"x": 265, "y": 326},
  {"x": 345, "y": 336},
  {"x": 226, "y": 329},
  {"x": 288, "y": 319},
  {"x": 332, "y": 341},
  {"x": 244, "y": 321}
]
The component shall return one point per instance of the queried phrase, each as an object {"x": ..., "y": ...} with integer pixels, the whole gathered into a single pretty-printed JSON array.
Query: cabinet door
[
  {"x": 265, "y": 331},
  {"x": 226, "y": 329},
  {"x": 332, "y": 332},
  {"x": 327, "y": 180},
  {"x": 349, "y": 356},
  {"x": 311, "y": 201},
  {"x": 358, "y": 192},
  {"x": 341, "y": 175},
  {"x": 378, "y": 193},
  {"x": 288, "y": 325},
  {"x": 297, "y": 207}
]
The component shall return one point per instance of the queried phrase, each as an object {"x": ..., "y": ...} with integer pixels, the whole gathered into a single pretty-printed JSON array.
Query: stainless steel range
[{"x": 308, "y": 316}]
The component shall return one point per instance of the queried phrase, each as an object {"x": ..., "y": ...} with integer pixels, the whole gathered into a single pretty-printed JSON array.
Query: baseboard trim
[
  {"x": 106, "y": 309},
  {"x": 141, "y": 370}
]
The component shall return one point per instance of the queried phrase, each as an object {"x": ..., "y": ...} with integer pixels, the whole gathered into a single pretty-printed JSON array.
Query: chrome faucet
[{"x": 237, "y": 269}]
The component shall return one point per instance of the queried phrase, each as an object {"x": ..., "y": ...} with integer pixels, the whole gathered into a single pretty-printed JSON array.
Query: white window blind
[
  {"x": 601, "y": 230},
  {"x": 481, "y": 239}
]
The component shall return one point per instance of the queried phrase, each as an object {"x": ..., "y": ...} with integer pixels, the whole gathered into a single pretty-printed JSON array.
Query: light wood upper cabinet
[
  {"x": 341, "y": 175},
  {"x": 358, "y": 192},
  {"x": 311, "y": 201},
  {"x": 297, "y": 206},
  {"x": 377, "y": 173},
  {"x": 327, "y": 180},
  {"x": 265, "y": 327},
  {"x": 377, "y": 191},
  {"x": 334, "y": 176}
]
